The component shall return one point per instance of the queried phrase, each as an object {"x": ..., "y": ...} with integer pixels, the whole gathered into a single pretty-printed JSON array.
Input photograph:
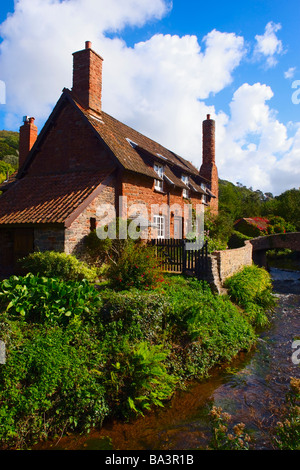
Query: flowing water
[{"x": 252, "y": 389}]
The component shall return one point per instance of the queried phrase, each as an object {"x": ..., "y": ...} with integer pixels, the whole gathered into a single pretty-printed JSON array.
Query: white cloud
[
  {"x": 41, "y": 35},
  {"x": 255, "y": 146},
  {"x": 268, "y": 45},
  {"x": 159, "y": 86},
  {"x": 290, "y": 72}
]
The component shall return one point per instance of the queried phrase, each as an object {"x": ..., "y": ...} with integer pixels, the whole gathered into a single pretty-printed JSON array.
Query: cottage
[{"x": 82, "y": 159}]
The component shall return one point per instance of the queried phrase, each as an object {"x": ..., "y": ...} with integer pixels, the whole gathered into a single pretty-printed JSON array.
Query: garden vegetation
[{"x": 78, "y": 353}]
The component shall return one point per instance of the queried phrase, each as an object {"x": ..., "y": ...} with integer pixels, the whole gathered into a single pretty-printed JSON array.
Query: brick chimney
[
  {"x": 87, "y": 78},
  {"x": 208, "y": 168},
  {"x": 28, "y": 136}
]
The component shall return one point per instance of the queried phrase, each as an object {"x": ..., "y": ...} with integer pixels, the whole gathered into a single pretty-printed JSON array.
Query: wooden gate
[{"x": 175, "y": 257}]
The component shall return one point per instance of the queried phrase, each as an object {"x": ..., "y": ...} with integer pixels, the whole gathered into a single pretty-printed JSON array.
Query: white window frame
[
  {"x": 185, "y": 192},
  {"x": 158, "y": 184},
  {"x": 160, "y": 223},
  {"x": 185, "y": 179}
]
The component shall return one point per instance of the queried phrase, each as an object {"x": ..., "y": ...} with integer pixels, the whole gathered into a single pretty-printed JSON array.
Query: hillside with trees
[
  {"x": 238, "y": 201},
  {"x": 9, "y": 154}
]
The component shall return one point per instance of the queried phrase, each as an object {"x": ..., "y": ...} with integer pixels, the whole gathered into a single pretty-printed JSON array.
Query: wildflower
[
  {"x": 238, "y": 429},
  {"x": 223, "y": 428},
  {"x": 226, "y": 416}
]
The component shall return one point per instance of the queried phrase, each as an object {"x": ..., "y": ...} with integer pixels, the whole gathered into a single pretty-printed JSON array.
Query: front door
[
  {"x": 23, "y": 243},
  {"x": 178, "y": 228}
]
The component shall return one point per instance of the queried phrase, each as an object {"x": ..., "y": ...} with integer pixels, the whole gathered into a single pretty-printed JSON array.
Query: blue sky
[{"x": 166, "y": 66}]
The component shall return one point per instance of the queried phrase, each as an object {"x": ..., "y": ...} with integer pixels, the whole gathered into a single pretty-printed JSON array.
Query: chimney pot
[
  {"x": 208, "y": 117},
  {"x": 88, "y": 45}
]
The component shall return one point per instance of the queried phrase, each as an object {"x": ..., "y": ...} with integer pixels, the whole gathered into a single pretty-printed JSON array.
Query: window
[
  {"x": 159, "y": 222},
  {"x": 158, "y": 184},
  {"x": 185, "y": 193},
  {"x": 185, "y": 180},
  {"x": 133, "y": 144},
  {"x": 93, "y": 224}
]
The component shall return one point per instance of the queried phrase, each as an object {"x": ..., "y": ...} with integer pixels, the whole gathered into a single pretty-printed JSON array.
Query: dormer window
[
  {"x": 133, "y": 144},
  {"x": 185, "y": 180},
  {"x": 159, "y": 184}
]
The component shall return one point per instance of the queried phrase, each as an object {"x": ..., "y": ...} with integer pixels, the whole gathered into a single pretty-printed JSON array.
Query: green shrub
[
  {"x": 54, "y": 264},
  {"x": 47, "y": 386},
  {"x": 99, "y": 251},
  {"x": 136, "y": 267},
  {"x": 45, "y": 300},
  {"x": 252, "y": 290},
  {"x": 237, "y": 240},
  {"x": 208, "y": 328},
  {"x": 137, "y": 378},
  {"x": 142, "y": 315}
]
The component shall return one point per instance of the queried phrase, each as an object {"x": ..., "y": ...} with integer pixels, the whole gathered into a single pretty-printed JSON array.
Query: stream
[{"x": 252, "y": 389}]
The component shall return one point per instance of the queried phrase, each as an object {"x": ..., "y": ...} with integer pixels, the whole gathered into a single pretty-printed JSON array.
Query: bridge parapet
[
  {"x": 271, "y": 242},
  {"x": 280, "y": 240}
]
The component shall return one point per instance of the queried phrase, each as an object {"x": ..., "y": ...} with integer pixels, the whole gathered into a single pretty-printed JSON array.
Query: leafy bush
[
  {"x": 47, "y": 386},
  {"x": 136, "y": 267},
  {"x": 237, "y": 240},
  {"x": 279, "y": 225},
  {"x": 138, "y": 378},
  {"x": 208, "y": 328},
  {"x": 43, "y": 300},
  {"x": 53, "y": 264},
  {"x": 142, "y": 315},
  {"x": 98, "y": 252},
  {"x": 252, "y": 290}
]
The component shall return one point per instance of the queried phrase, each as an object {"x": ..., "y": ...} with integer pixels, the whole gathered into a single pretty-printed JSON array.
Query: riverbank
[{"x": 252, "y": 389}]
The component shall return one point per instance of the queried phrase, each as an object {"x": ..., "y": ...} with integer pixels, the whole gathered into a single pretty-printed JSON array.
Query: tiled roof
[
  {"x": 47, "y": 199},
  {"x": 117, "y": 137}
]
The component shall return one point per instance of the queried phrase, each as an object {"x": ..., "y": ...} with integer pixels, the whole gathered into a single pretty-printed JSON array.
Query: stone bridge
[{"x": 279, "y": 241}]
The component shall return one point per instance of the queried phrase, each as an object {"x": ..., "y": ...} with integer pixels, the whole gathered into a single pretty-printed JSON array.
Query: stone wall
[
  {"x": 81, "y": 227},
  {"x": 49, "y": 238},
  {"x": 223, "y": 264},
  {"x": 232, "y": 261}
]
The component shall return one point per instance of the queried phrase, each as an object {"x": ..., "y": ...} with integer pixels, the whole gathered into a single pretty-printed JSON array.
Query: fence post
[{"x": 183, "y": 256}]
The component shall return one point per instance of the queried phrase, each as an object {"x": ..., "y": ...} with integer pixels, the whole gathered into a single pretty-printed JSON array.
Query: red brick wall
[
  {"x": 139, "y": 189},
  {"x": 70, "y": 145}
]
